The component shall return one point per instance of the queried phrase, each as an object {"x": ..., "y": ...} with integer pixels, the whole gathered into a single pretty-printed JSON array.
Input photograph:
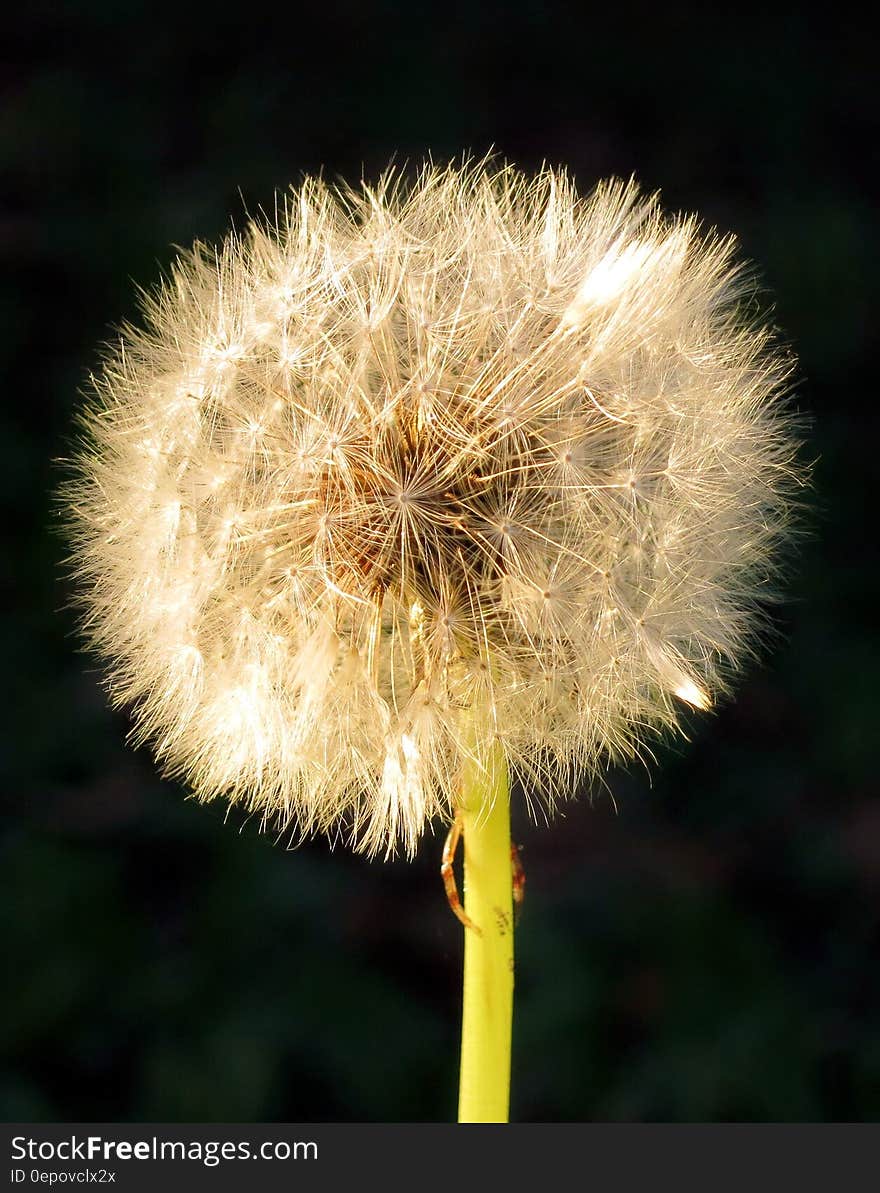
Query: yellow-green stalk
[{"x": 487, "y": 1013}]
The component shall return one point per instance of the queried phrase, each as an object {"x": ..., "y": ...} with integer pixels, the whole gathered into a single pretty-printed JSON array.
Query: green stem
[{"x": 487, "y": 1015}]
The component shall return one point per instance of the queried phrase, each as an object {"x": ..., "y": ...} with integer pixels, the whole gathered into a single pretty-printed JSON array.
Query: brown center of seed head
[{"x": 407, "y": 507}]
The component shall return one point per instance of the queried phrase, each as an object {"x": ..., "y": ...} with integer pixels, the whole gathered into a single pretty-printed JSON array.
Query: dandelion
[{"x": 412, "y": 483}]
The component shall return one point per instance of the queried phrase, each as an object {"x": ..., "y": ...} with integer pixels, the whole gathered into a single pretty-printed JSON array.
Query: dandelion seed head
[{"x": 407, "y": 451}]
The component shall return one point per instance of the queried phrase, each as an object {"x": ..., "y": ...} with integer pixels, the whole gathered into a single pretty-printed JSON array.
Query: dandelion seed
[{"x": 409, "y": 450}]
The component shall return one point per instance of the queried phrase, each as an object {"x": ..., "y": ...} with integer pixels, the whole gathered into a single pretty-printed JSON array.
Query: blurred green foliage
[{"x": 707, "y": 952}]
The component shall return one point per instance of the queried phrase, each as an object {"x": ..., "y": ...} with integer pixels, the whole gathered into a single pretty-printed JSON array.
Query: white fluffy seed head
[{"x": 408, "y": 451}]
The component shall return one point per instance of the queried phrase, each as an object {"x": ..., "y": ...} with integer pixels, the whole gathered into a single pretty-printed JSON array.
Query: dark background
[{"x": 706, "y": 952}]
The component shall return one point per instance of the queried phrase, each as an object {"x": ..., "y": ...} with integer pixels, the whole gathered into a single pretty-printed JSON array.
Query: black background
[{"x": 703, "y": 953}]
